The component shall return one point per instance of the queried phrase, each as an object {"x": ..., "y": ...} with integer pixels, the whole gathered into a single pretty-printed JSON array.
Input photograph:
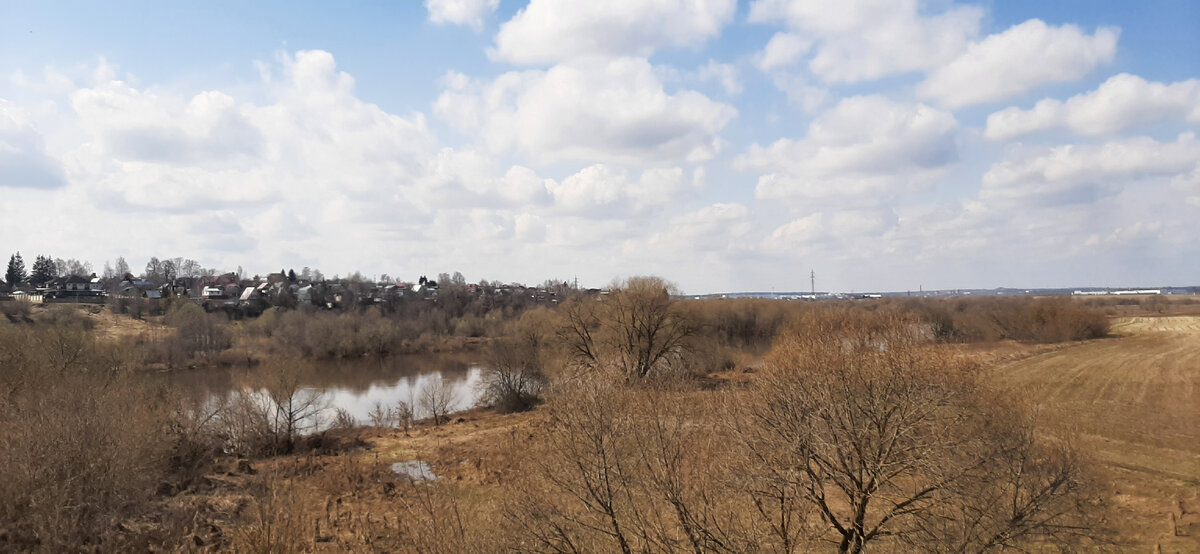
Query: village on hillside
[{"x": 70, "y": 281}]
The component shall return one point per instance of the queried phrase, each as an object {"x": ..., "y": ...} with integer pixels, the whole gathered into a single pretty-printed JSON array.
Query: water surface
[{"x": 355, "y": 386}]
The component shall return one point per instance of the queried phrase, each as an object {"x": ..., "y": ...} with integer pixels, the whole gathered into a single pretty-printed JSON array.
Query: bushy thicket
[
  {"x": 138, "y": 308},
  {"x": 743, "y": 323},
  {"x": 91, "y": 443},
  {"x": 862, "y": 431},
  {"x": 16, "y": 312},
  {"x": 396, "y": 327},
  {"x": 322, "y": 334},
  {"x": 514, "y": 380},
  {"x": 191, "y": 336},
  {"x": 1151, "y": 303},
  {"x": 1041, "y": 320},
  {"x": 752, "y": 324},
  {"x": 84, "y": 443},
  {"x": 197, "y": 332}
]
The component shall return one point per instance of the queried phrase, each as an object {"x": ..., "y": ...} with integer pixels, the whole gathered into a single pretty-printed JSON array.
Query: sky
[{"x": 722, "y": 145}]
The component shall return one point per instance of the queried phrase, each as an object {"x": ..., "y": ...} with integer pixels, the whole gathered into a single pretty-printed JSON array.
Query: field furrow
[{"x": 1134, "y": 402}]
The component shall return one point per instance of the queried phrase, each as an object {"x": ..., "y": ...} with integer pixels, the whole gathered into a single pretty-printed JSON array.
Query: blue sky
[{"x": 725, "y": 146}]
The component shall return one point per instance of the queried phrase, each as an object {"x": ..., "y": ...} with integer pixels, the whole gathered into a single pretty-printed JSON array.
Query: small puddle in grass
[{"x": 416, "y": 469}]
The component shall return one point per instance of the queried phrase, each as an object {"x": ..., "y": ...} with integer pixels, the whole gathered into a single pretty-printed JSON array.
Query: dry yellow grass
[
  {"x": 1134, "y": 401},
  {"x": 109, "y": 326}
]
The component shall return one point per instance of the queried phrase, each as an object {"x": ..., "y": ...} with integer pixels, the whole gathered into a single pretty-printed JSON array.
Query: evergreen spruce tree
[
  {"x": 16, "y": 270},
  {"x": 43, "y": 271}
]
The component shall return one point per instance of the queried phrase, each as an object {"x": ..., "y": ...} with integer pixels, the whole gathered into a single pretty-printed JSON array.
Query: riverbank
[{"x": 247, "y": 348}]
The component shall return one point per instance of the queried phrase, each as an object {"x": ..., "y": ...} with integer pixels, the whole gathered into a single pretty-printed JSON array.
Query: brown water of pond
[{"x": 355, "y": 386}]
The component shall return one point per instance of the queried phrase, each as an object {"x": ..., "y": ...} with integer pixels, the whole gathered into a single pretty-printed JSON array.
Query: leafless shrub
[
  {"x": 343, "y": 419},
  {"x": 133, "y": 307},
  {"x": 513, "y": 380},
  {"x": 195, "y": 429},
  {"x": 403, "y": 413},
  {"x": 197, "y": 334},
  {"x": 398, "y": 416},
  {"x": 435, "y": 521},
  {"x": 245, "y": 424},
  {"x": 437, "y": 400},
  {"x": 65, "y": 316},
  {"x": 1024, "y": 491},
  {"x": 380, "y": 416},
  {"x": 746, "y": 324},
  {"x": 320, "y": 334}
]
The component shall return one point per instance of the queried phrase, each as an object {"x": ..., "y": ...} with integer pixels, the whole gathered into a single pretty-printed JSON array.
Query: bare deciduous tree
[
  {"x": 292, "y": 408},
  {"x": 437, "y": 400},
  {"x": 886, "y": 436},
  {"x": 635, "y": 328},
  {"x": 628, "y": 470}
]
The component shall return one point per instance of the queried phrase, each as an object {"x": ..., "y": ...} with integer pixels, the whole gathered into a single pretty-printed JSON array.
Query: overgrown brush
[
  {"x": 1040, "y": 320},
  {"x": 861, "y": 431},
  {"x": 742, "y": 323},
  {"x": 84, "y": 442},
  {"x": 513, "y": 379},
  {"x": 321, "y": 334}
]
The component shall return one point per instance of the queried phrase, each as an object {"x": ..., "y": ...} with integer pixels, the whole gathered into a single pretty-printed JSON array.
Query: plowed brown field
[{"x": 1134, "y": 402}]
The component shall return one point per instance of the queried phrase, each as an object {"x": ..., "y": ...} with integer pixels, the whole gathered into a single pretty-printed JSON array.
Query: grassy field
[{"x": 1134, "y": 402}]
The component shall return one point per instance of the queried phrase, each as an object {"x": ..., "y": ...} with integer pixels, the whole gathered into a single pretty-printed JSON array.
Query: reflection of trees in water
[
  {"x": 459, "y": 388},
  {"x": 202, "y": 383},
  {"x": 358, "y": 376},
  {"x": 354, "y": 376},
  {"x": 353, "y": 385}
]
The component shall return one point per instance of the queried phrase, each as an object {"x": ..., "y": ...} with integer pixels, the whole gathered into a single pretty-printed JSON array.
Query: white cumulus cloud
[
  {"x": 1123, "y": 101},
  {"x": 1073, "y": 174},
  {"x": 591, "y": 111},
  {"x": 861, "y": 40},
  {"x": 713, "y": 228},
  {"x": 552, "y": 31},
  {"x": 602, "y": 190},
  {"x": 461, "y": 12},
  {"x": 23, "y": 158},
  {"x": 784, "y": 49},
  {"x": 1017, "y": 60},
  {"x": 311, "y": 139},
  {"x": 830, "y": 228},
  {"x": 865, "y": 145}
]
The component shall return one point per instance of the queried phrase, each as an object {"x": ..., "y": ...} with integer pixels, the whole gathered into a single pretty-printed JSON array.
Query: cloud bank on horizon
[{"x": 888, "y": 145}]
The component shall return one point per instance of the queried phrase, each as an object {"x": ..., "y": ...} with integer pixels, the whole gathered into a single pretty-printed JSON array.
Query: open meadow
[{"x": 1134, "y": 400}]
